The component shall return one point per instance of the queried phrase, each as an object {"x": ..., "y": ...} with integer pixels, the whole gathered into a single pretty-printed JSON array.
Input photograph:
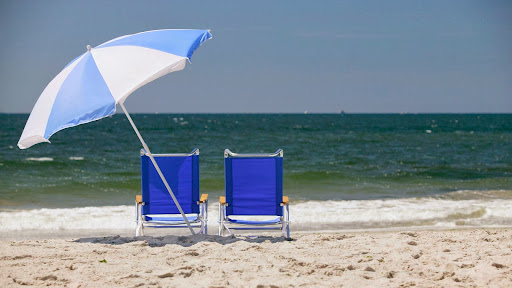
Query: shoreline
[
  {"x": 21, "y": 235},
  {"x": 301, "y": 229},
  {"x": 423, "y": 258},
  {"x": 314, "y": 216}
]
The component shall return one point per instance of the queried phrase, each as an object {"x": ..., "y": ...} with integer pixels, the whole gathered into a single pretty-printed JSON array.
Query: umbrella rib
[{"x": 157, "y": 167}]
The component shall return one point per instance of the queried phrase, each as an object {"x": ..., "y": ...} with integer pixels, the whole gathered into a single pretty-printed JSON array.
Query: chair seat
[
  {"x": 253, "y": 222},
  {"x": 192, "y": 218}
]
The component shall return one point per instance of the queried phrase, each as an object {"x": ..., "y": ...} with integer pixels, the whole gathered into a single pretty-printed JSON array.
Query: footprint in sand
[
  {"x": 499, "y": 266},
  {"x": 48, "y": 277},
  {"x": 166, "y": 275}
]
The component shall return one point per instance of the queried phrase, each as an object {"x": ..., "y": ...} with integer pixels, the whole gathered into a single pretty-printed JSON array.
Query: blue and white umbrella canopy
[{"x": 90, "y": 86}]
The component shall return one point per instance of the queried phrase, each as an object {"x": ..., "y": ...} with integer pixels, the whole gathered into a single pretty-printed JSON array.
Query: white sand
[{"x": 456, "y": 258}]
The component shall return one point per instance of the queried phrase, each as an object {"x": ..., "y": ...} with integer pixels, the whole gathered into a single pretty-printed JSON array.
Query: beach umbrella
[{"x": 90, "y": 86}]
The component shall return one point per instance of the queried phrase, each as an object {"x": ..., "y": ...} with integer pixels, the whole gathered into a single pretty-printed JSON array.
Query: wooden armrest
[
  {"x": 286, "y": 200},
  {"x": 222, "y": 200},
  {"x": 138, "y": 199},
  {"x": 203, "y": 199}
]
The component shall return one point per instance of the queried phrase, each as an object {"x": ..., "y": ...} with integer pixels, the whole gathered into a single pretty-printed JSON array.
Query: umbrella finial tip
[{"x": 88, "y": 47}]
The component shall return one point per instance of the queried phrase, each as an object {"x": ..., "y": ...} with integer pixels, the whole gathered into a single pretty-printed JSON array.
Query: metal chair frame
[
  {"x": 224, "y": 221},
  {"x": 201, "y": 220}
]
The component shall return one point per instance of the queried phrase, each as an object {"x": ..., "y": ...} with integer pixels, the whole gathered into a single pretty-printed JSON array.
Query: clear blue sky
[{"x": 280, "y": 56}]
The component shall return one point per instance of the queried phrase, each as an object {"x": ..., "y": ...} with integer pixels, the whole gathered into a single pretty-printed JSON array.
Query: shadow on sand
[{"x": 185, "y": 241}]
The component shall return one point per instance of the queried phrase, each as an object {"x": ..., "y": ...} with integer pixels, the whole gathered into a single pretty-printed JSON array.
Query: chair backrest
[
  {"x": 254, "y": 183},
  {"x": 182, "y": 174}
]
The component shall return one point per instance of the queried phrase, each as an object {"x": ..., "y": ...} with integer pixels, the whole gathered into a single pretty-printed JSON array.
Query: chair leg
[
  {"x": 206, "y": 218},
  {"x": 139, "y": 229},
  {"x": 222, "y": 220},
  {"x": 283, "y": 226},
  {"x": 287, "y": 221},
  {"x": 201, "y": 229},
  {"x": 221, "y": 224}
]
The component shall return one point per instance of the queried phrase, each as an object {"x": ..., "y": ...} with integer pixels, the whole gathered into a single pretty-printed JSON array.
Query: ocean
[{"x": 341, "y": 171}]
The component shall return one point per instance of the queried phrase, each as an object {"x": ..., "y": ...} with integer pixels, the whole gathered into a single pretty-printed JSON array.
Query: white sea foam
[
  {"x": 83, "y": 218},
  {"x": 364, "y": 214},
  {"x": 419, "y": 211},
  {"x": 40, "y": 159},
  {"x": 76, "y": 158}
]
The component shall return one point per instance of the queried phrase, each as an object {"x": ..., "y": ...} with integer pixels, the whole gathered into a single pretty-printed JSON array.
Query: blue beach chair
[
  {"x": 254, "y": 187},
  {"x": 155, "y": 207}
]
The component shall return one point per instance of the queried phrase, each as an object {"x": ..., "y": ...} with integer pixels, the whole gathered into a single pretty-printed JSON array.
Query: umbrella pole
[{"x": 156, "y": 167}]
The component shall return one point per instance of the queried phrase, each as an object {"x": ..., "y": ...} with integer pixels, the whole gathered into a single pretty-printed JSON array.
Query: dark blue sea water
[{"x": 368, "y": 162}]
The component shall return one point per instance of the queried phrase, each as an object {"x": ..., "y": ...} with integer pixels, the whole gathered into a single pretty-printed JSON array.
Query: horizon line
[{"x": 294, "y": 113}]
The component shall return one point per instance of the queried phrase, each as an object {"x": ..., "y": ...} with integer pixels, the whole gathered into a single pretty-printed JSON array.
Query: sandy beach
[{"x": 449, "y": 258}]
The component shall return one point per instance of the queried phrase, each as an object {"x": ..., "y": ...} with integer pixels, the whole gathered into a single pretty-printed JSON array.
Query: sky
[{"x": 280, "y": 56}]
